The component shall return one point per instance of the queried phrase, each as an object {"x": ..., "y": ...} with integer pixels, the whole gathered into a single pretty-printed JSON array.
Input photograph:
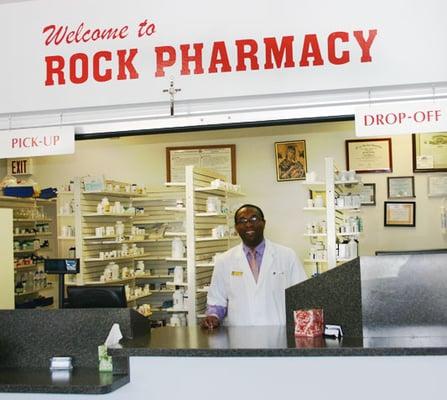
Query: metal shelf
[
  {"x": 146, "y": 276},
  {"x": 110, "y": 282},
  {"x": 176, "y": 209},
  {"x": 34, "y": 291},
  {"x": 128, "y": 195},
  {"x": 111, "y": 258},
  {"x": 210, "y": 214},
  {"x": 176, "y": 283},
  {"x": 142, "y": 296},
  {"x": 109, "y": 215},
  {"x": 218, "y": 191}
]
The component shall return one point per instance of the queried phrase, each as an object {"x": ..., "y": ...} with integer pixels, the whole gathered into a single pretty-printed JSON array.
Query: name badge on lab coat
[{"x": 236, "y": 273}]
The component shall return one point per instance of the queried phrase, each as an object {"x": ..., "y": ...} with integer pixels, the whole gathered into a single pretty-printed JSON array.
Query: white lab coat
[{"x": 248, "y": 302}]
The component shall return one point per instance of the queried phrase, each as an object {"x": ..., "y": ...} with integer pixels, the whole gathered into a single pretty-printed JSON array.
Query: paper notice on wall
[
  {"x": 424, "y": 162},
  {"x": 216, "y": 159}
]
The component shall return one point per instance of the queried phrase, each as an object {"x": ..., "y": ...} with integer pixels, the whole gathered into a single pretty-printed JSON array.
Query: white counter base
[{"x": 212, "y": 378}]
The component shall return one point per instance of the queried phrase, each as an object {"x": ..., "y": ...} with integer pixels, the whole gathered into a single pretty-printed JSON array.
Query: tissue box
[
  {"x": 105, "y": 361},
  {"x": 308, "y": 323}
]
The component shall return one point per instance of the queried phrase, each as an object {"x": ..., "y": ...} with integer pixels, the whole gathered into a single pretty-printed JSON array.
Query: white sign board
[
  {"x": 401, "y": 118},
  {"x": 64, "y": 54},
  {"x": 37, "y": 142}
]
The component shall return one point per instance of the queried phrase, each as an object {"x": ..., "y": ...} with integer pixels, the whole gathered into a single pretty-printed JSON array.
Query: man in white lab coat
[{"x": 249, "y": 281}]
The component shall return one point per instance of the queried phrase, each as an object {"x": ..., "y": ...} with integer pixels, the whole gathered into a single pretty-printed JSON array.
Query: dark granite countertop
[
  {"x": 270, "y": 341},
  {"x": 79, "y": 381},
  {"x": 29, "y": 338}
]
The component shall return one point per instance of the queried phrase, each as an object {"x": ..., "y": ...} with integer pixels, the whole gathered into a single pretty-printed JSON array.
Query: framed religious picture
[
  {"x": 219, "y": 158},
  {"x": 400, "y": 187},
  {"x": 430, "y": 152},
  {"x": 402, "y": 213},
  {"x": 368, "y": 194},
  {"x": 369, "y": 155},
  {"x": 291, "y": 160}
]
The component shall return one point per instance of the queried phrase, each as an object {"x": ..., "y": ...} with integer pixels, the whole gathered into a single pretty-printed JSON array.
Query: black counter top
[
  {"x": 270, "y": 341},
  {"x": 79, "y": 381},
  {"x": 29, "y": 338}
]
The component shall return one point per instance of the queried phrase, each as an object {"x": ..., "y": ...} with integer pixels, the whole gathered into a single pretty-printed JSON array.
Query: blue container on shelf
[
  {"x": 48, "y": 193},
  {"x": 19, "y": 191}
]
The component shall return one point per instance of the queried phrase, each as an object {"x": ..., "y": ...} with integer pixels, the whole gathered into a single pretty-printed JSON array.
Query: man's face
[{"x": 250, "y": 226}]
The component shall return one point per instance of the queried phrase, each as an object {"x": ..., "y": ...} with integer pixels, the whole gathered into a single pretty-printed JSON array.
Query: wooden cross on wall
[{"x": 172, "y": 91}]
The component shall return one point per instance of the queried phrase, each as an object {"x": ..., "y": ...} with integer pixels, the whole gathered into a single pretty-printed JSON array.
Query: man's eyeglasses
[{"x": 253, "y": 219}]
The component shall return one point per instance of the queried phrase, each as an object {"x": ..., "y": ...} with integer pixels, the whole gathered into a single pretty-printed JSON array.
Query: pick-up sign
[{"x": 36, "y": 142}]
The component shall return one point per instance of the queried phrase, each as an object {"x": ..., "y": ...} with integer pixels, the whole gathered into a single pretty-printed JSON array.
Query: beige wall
[
  {"x": 3, "y": 167},
  {"x": 6, "y": 260},
  {"x": 142, "y": 160}
]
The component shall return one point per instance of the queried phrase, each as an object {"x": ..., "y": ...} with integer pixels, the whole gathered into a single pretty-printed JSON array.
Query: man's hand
[{"x": 210, "y": 322}]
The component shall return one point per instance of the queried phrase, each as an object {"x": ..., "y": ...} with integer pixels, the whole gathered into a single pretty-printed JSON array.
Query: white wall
[{"x": 142, "y": 160}]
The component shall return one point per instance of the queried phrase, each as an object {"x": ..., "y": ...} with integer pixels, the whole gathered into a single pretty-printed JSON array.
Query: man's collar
[{"x": 258, "y": 249}]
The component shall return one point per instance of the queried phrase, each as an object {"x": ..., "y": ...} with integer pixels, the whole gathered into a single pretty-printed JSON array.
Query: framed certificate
[
  {"x": 369, "y": 155},
  {"x": 400, "y": 187},
  {"x": 430, "y": 152},
  {"x": 368, "y": 194},
  {"x": 219, "y": 158},
  {"x": 437, "y": 185},
  {"x": 401, "y": 213}
]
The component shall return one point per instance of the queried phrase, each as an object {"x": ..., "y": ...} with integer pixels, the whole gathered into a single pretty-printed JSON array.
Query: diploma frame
[
  {"x": 172, "y": 151},
  {"x": 400, "y": 213},
  {"x": 369, "y": 155},
  {"x": 437, "y": 185},
  {"x": 433, "y": 148},
  {"x": 400, "y": 187},
  {"x": 368, "y": 194}
]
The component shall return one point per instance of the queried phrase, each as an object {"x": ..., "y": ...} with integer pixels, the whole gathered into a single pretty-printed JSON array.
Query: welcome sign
[
  {"x": 190, "y": 58},
  {"x": 62, "y": 54}
]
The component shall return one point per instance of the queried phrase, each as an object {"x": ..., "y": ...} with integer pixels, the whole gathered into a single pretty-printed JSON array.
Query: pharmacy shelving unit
[
  {"x": 180, "y": 210},
  {"x": 34, "y": 227},
  {"x": 201, "y": 240},
  {"x": 95, "y": 250},
  {"x": 65, "y": 224},
  {"x": 333, "y": 216},
  {"x": 160, "y": 217}
]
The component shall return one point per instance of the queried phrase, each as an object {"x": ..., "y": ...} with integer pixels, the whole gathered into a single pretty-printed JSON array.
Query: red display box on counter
[{"x": 309, "y": 323}]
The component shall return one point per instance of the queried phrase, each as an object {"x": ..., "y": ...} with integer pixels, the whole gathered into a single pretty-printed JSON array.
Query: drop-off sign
[{"x": 401, "y": 118}]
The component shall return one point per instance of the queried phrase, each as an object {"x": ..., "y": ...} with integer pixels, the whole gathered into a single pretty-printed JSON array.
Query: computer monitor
[
  {"x": 61, "y": 266},
  {"x": 96, "y": 296}
]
